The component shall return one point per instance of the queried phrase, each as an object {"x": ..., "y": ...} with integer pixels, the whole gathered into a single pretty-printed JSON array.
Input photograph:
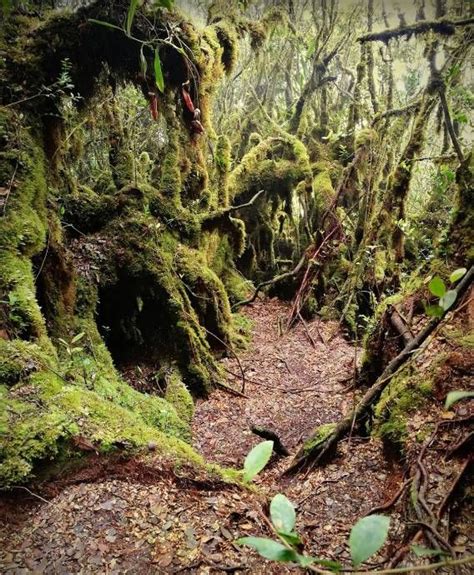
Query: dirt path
[
  {"x": 294, "y": 383},
  {"x": 141, "y": 516}
]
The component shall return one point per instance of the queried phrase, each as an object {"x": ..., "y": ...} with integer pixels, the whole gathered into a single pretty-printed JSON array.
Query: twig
[
  {"x": 231, "y": 390},
  {"x": 310, "y": 337},
  {"x": 272, "y": 281},
  {"x": 30, "y": 492}
]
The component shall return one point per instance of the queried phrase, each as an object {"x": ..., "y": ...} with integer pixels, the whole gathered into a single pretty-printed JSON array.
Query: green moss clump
[
  {"x": 403, "y": 395},
  {"x": 319, "y": 436},
  {"x": 88, "y": 211},
  {"x": 177, "y": 394},
  {"x": 229, "y": 41}
]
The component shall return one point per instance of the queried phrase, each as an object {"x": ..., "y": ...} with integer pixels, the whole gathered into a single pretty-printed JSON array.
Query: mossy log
[{"x": 318, "y": 446}]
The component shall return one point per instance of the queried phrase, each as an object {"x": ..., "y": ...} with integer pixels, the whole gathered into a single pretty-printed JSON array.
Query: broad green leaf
[
  {"x": 256, "y": 459},
  {"x": 269, "y": 549},
  {"x": 160, "y": 82},
  {"x": 132, "y": 8},
  {"x": 367, "y": 537},
  {"x": 143, "y": 64},
  {"x": 448, "y": 299},
  {"x": 282, "y": 513},
  {"x": 106, "y": 24},
  {"x": 437, "y": 287},
  {"x": 455, "y": 396},
  {"x": 421, "y": 551},
  {"x": 434, "y": 310},
  {"x": 457, "y": 275},
  {"x": 78, "y": 337}
]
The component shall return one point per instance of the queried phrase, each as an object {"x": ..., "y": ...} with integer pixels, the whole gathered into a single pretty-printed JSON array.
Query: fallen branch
[
  {"x": 265, "y": 433},
  {"x": 315, "y": 453}
]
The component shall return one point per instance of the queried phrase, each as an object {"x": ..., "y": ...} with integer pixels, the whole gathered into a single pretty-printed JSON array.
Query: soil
[{"x": 142, "y": 515}]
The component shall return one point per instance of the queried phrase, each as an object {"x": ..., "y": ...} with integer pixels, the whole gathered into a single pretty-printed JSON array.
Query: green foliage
[
  {"x": 446, "y": 297},
  {"x": 455, "y": 396},
  {"x": 367, "y": 536},
  {"x": 159, "y": 80},
  {"x": 269, "y": 549},
  {"x": 282, "y": 514},
  {"x": 131, "y": 15},
  {"x": 256, "y": 459}
]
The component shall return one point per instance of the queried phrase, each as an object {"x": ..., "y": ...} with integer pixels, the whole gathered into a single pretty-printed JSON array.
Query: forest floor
[{"x": 142, "y": 516}]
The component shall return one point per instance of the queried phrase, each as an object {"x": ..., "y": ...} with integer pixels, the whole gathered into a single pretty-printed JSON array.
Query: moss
[
  {"x": 404, "y": 394},
  {"x": 151, "y": 259},
  {"x": 223, "y": 161},
  {"x": 319, "y": 435},
  {"x": 365, "y": 137},
  {"x": 88, "y": 211},
  {"x": 229, "y": 41},
  {"x": 177, "y": 394}
]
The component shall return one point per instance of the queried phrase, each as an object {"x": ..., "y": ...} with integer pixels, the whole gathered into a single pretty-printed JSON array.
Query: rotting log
[{"x": 313, "y": 455}]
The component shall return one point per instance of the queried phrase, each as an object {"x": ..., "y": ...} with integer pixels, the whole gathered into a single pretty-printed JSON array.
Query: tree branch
[{"x": 445, "y": 27}]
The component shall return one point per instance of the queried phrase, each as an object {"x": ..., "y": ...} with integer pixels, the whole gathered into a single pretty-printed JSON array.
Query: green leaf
[
  {"x": 78, "y": 337},
  {"x": 421, "y": 551},
  {"x": 269, "y": 549},
  {"x": 434, "y": 310},
  {"x": 457, "y": 275},
  {"x": 455, "y": 396},
  {"x": 256, "y": 459},
  {"x": 437, "y": 287},
  {"x": 143, "y": 63},
  {"x": 160, "y": 82},
  {"x": 165, "y": 3},
  {"x": 291, "y": 538},
  {"x": 305, "y": 561},
  {"x": 449, "y": 298},
  {"x": 367, "y": 537},
  {"x": 282, "y": 513},
  {"x": 331, "y": 565},
  {"x": 106, "y": 24},
  {"x": 132, "y": 8}
]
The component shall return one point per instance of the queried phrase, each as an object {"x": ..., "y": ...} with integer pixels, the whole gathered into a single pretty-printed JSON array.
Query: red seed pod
[
  {"x": 197, "y": 127},
  {"x": 187, "y": 100},
  {"x": 154, "y": 106}
]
